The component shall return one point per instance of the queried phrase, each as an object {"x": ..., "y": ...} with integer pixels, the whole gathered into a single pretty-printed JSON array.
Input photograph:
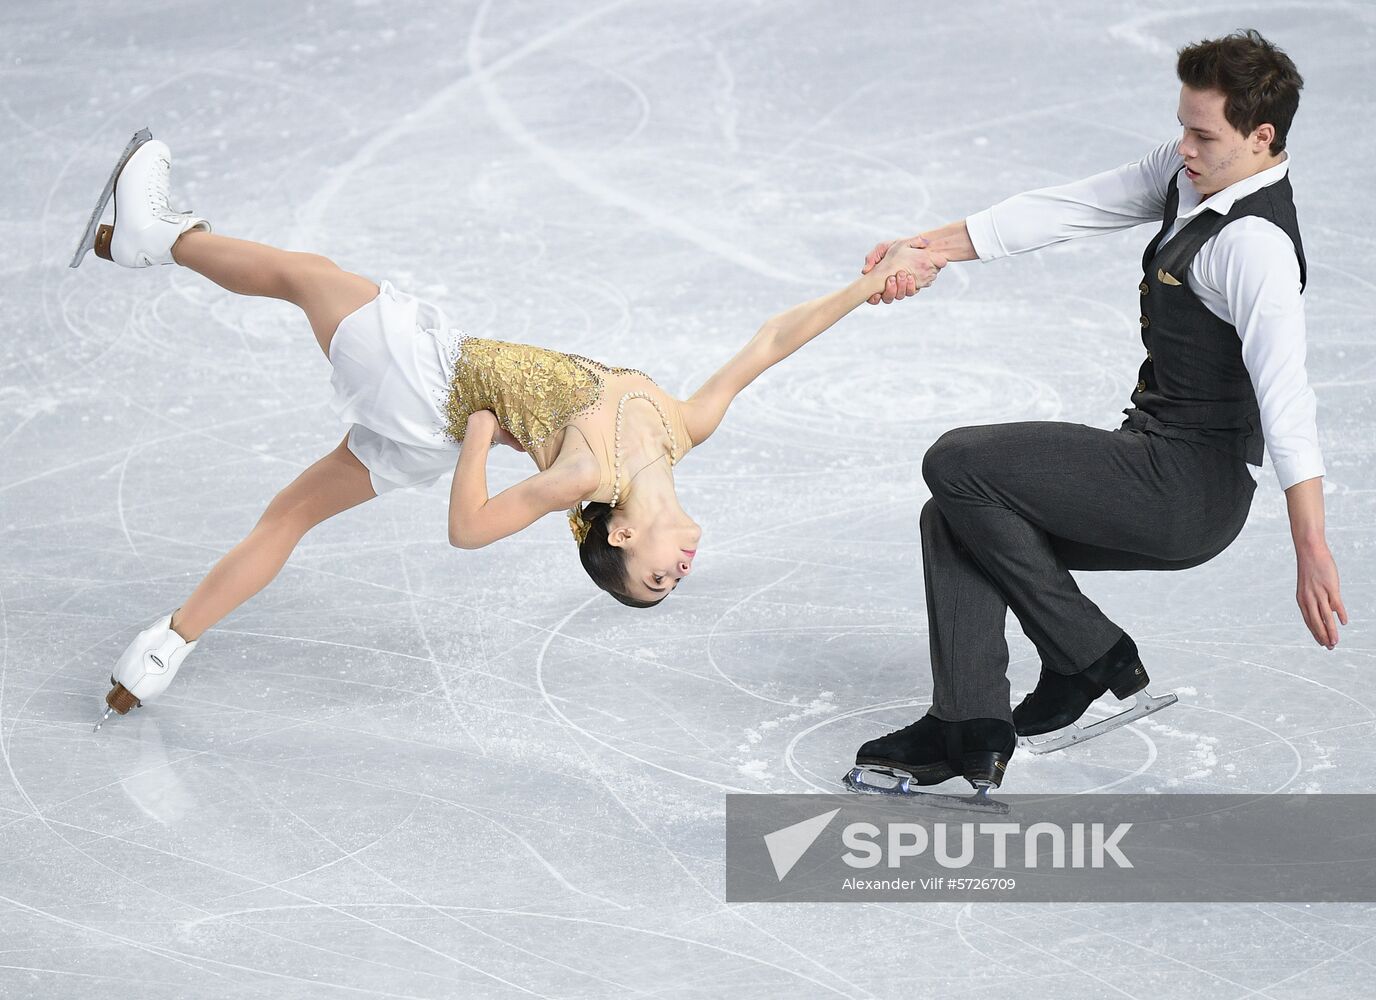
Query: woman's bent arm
[{"x": 475, "y": 519}]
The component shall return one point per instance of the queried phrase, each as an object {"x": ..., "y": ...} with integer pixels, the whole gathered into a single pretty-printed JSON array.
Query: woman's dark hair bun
[{"x": 604, "y": 562}]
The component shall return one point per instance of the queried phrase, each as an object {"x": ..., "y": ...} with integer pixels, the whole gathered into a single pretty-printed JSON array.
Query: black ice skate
[
  {"x": 931, "y": 751},
  {"x": 1059, "y": 700}
]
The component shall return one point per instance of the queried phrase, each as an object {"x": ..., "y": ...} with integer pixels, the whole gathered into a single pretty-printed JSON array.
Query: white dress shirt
[{"x": 1247, "y": 275}]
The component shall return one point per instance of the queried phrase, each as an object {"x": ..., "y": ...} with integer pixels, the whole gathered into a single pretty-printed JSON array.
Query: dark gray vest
[{"x": 1193, "y": 381}]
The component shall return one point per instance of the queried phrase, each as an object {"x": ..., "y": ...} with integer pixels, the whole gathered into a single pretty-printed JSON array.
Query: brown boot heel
[
  {"x": 102, "y": 249},
  {"x": 121, "y": 699}
]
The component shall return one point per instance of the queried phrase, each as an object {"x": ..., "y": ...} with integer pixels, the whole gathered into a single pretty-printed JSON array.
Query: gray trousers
[{"x": 1016, "y": 506}]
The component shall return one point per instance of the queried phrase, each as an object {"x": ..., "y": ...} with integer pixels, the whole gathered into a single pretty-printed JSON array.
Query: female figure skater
[{"x": 603, "y": 439}]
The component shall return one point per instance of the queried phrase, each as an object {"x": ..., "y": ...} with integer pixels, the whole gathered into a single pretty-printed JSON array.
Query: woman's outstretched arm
[{"x": 783, "y": 334}]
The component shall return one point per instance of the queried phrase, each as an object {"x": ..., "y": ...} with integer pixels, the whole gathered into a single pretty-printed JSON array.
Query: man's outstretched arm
[{"x": 1127, "y": 196}]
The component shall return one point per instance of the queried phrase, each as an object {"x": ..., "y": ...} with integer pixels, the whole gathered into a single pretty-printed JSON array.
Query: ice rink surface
[{"x": 404, "y": 770}]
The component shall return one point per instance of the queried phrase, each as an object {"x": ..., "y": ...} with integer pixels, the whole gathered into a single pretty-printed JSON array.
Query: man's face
[{"x": 1216, "y": 154}]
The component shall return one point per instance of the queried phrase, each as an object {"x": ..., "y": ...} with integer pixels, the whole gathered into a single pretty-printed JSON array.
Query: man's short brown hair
[{"x": 1260, "y": 83}]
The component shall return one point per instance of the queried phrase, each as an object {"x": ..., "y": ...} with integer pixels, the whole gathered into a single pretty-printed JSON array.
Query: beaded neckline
[{"x": 616, "y": 437}]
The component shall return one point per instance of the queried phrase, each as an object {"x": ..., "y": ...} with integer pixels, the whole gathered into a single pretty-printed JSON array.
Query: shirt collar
[{"x": 1222, "y": 201}]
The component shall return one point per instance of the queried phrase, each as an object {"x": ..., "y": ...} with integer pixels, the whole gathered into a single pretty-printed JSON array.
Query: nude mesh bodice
[{"x": 535, "y": 393}]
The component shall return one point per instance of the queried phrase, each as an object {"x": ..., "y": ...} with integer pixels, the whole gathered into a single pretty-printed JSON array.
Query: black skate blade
[
  {"x": 1073, "y": 735},
  {"x": 88, "y": 239},
  {"x": 979, "y": 801}
]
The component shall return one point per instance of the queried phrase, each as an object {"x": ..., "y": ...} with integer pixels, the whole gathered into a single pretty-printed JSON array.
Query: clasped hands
[{"x": 903, "y": 267}]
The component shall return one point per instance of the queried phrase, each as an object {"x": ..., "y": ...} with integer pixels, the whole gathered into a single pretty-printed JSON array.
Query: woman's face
[{"x": 657, "y": 555}]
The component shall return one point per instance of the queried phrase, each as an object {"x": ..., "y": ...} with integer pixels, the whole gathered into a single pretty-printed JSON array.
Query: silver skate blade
[
  {"x": 1075, "y": 734},
  {"x": 980, "y": 801},
  {"x": 102, "y": 720},
  {"x": 88, "y": 239}
]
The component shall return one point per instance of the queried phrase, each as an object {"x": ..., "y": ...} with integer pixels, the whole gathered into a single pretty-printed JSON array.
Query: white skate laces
[{"x": 145, "y": 226}]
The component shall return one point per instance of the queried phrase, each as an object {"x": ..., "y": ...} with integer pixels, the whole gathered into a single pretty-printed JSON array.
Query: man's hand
[
  {"x": 1316, "y": 592},
  {"x": 903, "y": 269},
  {"x": 901, "y": 283}
]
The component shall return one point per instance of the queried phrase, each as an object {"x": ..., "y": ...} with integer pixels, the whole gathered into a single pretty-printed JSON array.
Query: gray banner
[{"x": 1130, "y": 848}]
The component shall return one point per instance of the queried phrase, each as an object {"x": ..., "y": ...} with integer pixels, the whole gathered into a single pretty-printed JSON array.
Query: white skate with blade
[
  {"x": 146, "y": 668},
  {"x": 149, "y": 227}
]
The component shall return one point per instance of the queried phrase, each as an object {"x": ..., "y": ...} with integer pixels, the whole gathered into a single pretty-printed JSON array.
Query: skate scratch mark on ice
[
  {"x": 1294, "y": 750},
  {"x": 308, "y": 218},
  {"x": 419, "y": 625},
  {"x": 117, "y": 980},
  {"x": 834, "y": 785},
  {"x": 539, "y": 915},
  {"x": 159, "y": 951},
  {"x": 1309, "y": 969},
  {"x": 1143, "y": 768},
  {"x": 506, "y": 119},
  {"x": 642, "y": 100},
  {"x": 166, "y": 952},
  {"x": 52, "y": 825},
  {"x": 849, "y": 511},
  {"x": 967, "y": 914},
  {"x": 711, "y": 636},
  {"x": 557, "y": 631},
  {"x": 264, "y": 375},
  {"x": 1134, "y": 30},
  {"x": 119, "y": 496},
  {"x": 785, "y": 151},
  {"x": 193, "y": 432},
  {"x": 504, "y": 944},
  {"x": 397, "y": 654},
  {"x": 667, "y": 711},
  {"x": 1075, "y": 122},
  {"x": 967, "y": 911},
  {"x": 1286, "y": 673},
  {"x": 724, "y": 96},
  {"x": 735, "y": 911},
  {"x": 1023, "y": 118},
  {"x": 1098, "y": 929},
  {"x": 175, "y": 955},
  {"x": 481, "y": 814},
  {"x": 445, "y": 604}
]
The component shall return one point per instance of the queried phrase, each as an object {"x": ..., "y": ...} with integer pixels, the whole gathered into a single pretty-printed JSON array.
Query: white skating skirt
[{"x": 393, "y": 362}]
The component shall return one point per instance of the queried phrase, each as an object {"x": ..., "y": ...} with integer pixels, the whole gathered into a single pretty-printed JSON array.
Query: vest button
[
  {"x": 1141, "y": 385},
  {"x": 1149, "y": 355},
  {"x": 1142, "y": 288},
  {"x": 1145, "y": 322}
]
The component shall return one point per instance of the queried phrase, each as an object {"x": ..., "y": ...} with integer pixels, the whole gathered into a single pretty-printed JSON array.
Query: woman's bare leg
[
  {"x": 334, "y": 484},
  {"x": 325, "y": 291}
]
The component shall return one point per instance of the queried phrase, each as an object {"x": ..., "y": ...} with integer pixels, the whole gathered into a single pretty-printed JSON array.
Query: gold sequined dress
[
  {"x": 405, "y": 382},
  {"x": 537, "y": 393}
]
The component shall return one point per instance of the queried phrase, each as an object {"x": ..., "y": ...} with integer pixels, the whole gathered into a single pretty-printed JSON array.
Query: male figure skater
[{"x": 1016, "y": 506}]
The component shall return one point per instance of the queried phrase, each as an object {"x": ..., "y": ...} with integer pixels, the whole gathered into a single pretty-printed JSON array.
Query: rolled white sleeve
[
  {"x": 1126, "y": 196},
  {"x": 1253, "y": 266}
]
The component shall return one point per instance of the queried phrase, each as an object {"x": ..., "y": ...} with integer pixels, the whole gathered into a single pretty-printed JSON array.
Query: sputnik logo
[{"x": 789, "y": 844}]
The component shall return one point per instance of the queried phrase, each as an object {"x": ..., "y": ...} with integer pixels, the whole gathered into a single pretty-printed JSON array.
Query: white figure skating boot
[
  {"x": 146, "y": 668},
  {"x": 144, "y": 227}
]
